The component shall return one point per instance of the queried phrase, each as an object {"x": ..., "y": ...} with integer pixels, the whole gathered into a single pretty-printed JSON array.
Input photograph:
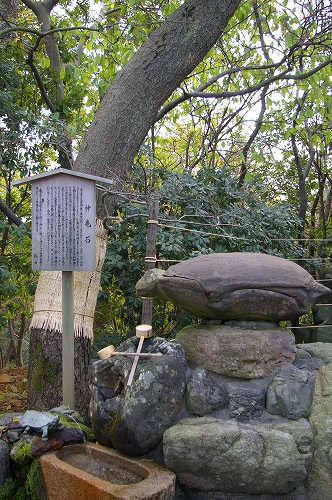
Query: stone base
[
  {"x": 212, "y": 455},
  {"x": 239, "y": 349}
]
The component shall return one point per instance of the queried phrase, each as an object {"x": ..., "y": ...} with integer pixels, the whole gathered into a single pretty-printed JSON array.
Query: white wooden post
[{"x": 68, "y": 354}]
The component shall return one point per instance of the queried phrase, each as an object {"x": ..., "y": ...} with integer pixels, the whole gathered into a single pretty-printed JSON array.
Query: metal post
[{"x": 68, "y": 392}]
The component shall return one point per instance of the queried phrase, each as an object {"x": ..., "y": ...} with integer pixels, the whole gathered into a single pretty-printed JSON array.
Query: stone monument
[{"x": 231, "y": 406}]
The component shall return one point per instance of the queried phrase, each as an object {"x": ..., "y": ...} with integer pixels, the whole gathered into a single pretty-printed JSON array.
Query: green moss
[
  {"x": 38, "y": 347},
  {"x": 22, "y": 452},
  {"x": 37, "y": 383},
  {"x": 44, "y": 371},
  {"x": 111, "y": 425},
  {"x": 88, "y": 432},
  {"x": 7, "y": 490},
  {"x": 34, "y": 484},
  {"x": 21, "y": 494}
]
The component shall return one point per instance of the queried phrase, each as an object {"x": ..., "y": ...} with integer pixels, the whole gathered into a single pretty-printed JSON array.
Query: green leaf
[{"x": 45, "y": 62}]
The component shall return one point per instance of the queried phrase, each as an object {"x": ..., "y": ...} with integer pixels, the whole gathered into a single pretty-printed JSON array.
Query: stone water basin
[{"x": 88, "y": 471}]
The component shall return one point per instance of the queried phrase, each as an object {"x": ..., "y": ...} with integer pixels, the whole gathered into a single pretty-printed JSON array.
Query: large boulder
[
  {"x": 318, "y": 350},
  {"x": 237, "y": 285},
  {"x": 208, "y": 454},
  {"x": 133, "y": 419},
  {"x": 238, "y": 349}
]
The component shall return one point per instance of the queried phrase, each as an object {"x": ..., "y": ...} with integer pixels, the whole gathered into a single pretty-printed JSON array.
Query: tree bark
[
  {"x": 45, "y": 372},
  {"x": 131, "y": 103}
]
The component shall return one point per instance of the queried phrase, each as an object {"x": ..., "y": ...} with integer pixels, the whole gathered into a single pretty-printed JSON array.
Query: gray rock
[
  {"x": 290, "y": 393},
  {"x": 302, "y": 432},
  {"x": 205, "y": 392},
  {"x": 13, "y": 436},
  {"x": 213, "y": 455},
  {"x": 235, "y": 285},
  {"x": 4, "y": 462},
  {"x": 247, "y": 398},
  {"x": 135, "y": 418},
  {"x": 301, "y": 353},
  {"x": 299, "y": 493},
  {"x": 237, "y": 352},
  {"x": 318, "y": 350},
  {"x": 322, "y": 313},
  {"x": 7, "y": 418},
  {"x": 312, "y": 364}
]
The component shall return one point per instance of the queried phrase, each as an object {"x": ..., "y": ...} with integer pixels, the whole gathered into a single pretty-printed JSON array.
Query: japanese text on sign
[{"x": 63, "y": 226}]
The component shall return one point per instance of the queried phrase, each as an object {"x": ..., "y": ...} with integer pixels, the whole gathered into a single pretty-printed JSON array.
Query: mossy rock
[
  {"x": 7, "y": 490},
  {"x": 88, "y": 431},
  {"x": 21, "y": 452}
]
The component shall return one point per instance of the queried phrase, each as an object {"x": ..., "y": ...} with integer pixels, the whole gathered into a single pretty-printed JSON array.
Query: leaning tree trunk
[{"x": 121, "y": 123}]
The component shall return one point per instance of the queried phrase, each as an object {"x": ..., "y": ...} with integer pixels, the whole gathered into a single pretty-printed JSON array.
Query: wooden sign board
[
  {"x": 63, "y": 224},
  {"x": 63, "y": 220}
]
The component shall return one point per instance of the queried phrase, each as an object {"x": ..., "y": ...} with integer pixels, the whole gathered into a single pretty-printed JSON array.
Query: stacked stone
[{"x": 231, "y": 408}]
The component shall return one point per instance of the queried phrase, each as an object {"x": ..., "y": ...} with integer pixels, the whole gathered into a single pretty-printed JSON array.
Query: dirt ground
[{"x": 13, "y": 390}]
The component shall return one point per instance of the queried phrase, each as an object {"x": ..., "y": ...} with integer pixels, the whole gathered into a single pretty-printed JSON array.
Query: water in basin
[{"x": 101, "y": 465}]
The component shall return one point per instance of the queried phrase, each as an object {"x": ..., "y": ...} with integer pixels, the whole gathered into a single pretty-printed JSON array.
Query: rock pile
[{"x": 236, "y": 410}]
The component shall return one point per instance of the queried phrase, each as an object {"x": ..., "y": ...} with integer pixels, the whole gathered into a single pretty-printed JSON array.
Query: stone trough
[{"x": 85, "y": 471}]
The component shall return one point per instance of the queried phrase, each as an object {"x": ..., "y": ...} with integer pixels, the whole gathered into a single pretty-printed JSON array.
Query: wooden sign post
[{"x": 63, "y": 239}]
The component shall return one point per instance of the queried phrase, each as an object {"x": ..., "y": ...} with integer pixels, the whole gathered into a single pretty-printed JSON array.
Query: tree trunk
[{"x": 45, "y": 372}]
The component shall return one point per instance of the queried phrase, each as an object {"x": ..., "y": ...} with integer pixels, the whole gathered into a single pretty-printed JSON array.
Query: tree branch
[
  {"x": 8, "y": 213},
  {"x": 40, "y": 83},
  {"x": 42, "y": 34},
  {"x": 227, "y": 94},
  {"x": 280, "y": 76},
  {"x": 252, "y": 137}
]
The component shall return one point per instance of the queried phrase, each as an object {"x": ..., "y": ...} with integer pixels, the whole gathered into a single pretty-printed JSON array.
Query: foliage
[{"x": 17, "y": 287}]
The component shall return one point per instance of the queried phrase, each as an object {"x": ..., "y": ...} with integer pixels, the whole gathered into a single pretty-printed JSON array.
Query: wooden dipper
[
  {"x": 142, "y": 331},
  {"x": 109, "y": 351}
]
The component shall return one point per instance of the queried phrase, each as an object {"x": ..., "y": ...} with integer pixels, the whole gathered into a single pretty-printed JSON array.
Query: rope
[{"x": 203, "y": 232}]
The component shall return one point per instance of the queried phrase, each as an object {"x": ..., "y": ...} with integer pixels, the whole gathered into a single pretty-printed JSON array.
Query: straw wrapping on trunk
[{"x": 47, "y": 313}]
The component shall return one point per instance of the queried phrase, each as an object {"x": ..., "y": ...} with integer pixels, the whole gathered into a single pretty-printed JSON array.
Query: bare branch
[
  {"x": 42, "y": 34},
  {"x": 253, "y": 136}
]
